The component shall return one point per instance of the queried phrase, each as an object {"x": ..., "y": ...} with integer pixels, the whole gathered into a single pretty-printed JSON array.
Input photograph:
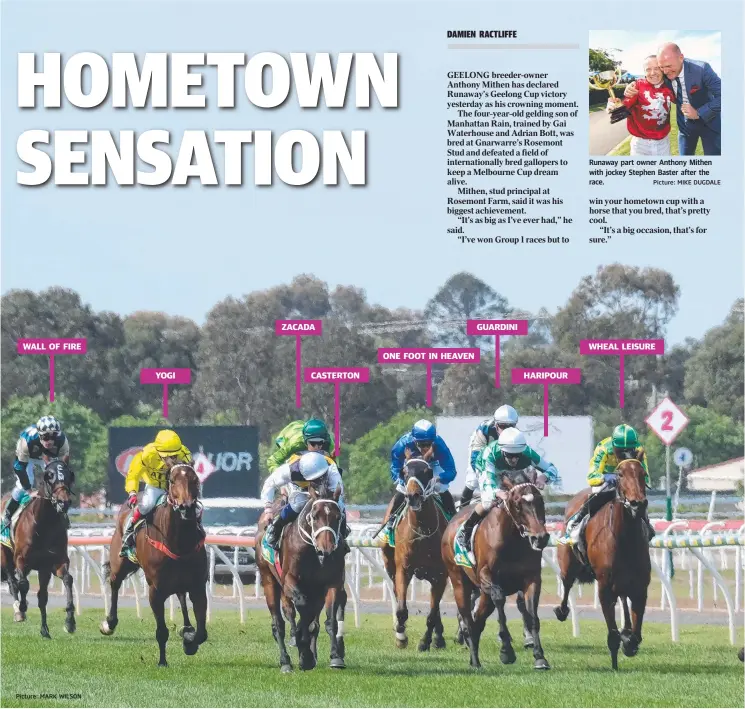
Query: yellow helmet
[{"x": 167, "y": 443}]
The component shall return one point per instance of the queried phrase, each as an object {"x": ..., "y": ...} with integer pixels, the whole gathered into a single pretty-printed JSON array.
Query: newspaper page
[{"x": 402, "y": 324}]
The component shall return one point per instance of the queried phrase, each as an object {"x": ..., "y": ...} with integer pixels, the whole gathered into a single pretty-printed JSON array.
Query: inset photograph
[{"x": 655, "y": 94}]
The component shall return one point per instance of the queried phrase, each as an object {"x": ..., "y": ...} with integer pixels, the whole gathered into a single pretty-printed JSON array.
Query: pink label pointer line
[
  {"x": 496, "y": 361},
  {"x": 429, "y": 384},
  {"x": 621, "y": 382},
  {"x": 545, "y": 410},
  {"x": 165, "y": 401},
  {"x": 337, "y": 423},
  {"x": 298, "y": 382},
  {"x": 51, "y": 378}
]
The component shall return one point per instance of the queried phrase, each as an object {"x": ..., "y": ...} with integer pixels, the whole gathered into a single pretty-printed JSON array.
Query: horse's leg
[
  {"x": 63, "y": 572},
  {"x": 474, "y": 600},
  {"x": 608, "y": 602},
  {"x": 22, "y": 581},
  {"x": 527, "y": 633},
  {"x": 10, "y": 576},
  {"x": 434, "y": 620},
  {"x": 638, "y": 606},
  {"x": 188, "y": 627},
  {"x": 192, "y": 639},
  {"x": 43, "y": 596},
  {"x": 462, "y": 588},
  {"x": 403, "y": 579},
  {"x": 118, "y": 570},
  {"x": 531, "y": 622},
  {"x": 158, "y": 604},
  {"x": 272, "y": 593},
  {"x": 568, "y": 577},
  {"x": 498, "y": 598},
  {"x": 288, "y": 612},
  {"x": 335, "y": 626},
  {"x": 306, "y": 611}
]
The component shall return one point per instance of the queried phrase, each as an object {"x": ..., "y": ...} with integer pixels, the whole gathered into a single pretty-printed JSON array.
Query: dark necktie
[{"x": 679, "y": 92}]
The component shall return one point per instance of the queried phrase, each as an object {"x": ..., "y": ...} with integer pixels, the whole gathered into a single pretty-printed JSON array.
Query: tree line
[{"x": 243, "y": 373}]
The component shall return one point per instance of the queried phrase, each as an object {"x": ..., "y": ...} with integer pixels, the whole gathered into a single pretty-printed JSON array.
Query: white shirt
[
  {"x": 282, "y": 476},
  {"x": 682, "y": 86}
]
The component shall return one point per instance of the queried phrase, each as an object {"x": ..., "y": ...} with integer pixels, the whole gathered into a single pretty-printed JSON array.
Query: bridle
[
  {"x": 528, "y": 497},
  {"x": 309, "y": 537},
  {"x": 182, "y": 508},
  {"x": 632, "y": 507},
  {"x": 55, "y": 482},
  {"x": 427, "y": 491}
]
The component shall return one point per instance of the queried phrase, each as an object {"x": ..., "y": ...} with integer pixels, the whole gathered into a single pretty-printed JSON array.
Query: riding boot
[
  {"x": 398, "y": 501},
  {"x": 10, "y": 510},
  {"x": 345, "y": 532},
  {"x": 128, "y": 535},
  {"x": 466, "y": 497},
  {"x": 464, "y": 534},
  {"x": 273, "y": 531},
  {"x": 448, "y": 503}
]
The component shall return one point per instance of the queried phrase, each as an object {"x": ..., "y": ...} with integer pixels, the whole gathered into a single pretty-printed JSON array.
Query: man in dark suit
[{"x": 698, "y": 96}]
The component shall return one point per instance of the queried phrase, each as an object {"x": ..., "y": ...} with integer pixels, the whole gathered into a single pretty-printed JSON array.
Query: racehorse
[
  {"x": 617, "y": 557},
  {"x": 170, "y": 550},
  {"x": 507, "y": 548},
  {"x": 417, "y": 551},
  {"x": 40, "y": 543},
  {"x": 308, "y": 573}
]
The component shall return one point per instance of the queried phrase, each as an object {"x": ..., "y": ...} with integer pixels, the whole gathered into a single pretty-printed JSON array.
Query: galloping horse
[
  {"x": 618, "y": 557},
  {"x": 170, "y": 550},
  {"x": 507, "y": 548},
  {"x": 308, "y": 572},
  {"x": 40, "y": 543},
  {"x": 417, "y": 551}
]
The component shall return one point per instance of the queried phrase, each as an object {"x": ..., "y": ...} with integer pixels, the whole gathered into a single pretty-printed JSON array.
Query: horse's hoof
[
  {"x": 507, "y": 657},
  {"x": 439, "y": 642},
  {"x": 70, "y": 626},
  {"x": 189, "y": 637},
  {"x": 630, "y": 648},
  {"x": 190, "y": 648},
  {"x": 19, "y": 617},
  {"x": 424, "y": 646},
  {"x": 292, "y": 642},
  {"x": 741, "y": 654},
  {"x": 163, "y": 664},
  {"x": 186, "y": 629},
  {"x": 45, "y": 633},
  {"x": 307, "y": 663},
  {"x": 458, "y": 639},
  {"x": 541, "y": 664},
  {"x": 105, "y": 629},
  {"x": 561, "y": 614},
  {"x": 402, "y": 644},
  {"x": 286, "y": 669},
  {"x": 337, "y": 663}
]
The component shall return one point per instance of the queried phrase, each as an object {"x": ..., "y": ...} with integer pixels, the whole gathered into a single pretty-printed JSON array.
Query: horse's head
[
  {"x": 418, "y": 476},
  {"x": 324, "y": 519},
  {"x": 631, "y": 487},
  {"x": 59, "y": 478},
  {"x": 524, "y": 504},
  {"x": 183, "y": 490}
]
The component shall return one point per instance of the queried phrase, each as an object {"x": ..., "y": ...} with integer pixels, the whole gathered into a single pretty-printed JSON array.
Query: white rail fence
[{"x": 712, "y": 551}]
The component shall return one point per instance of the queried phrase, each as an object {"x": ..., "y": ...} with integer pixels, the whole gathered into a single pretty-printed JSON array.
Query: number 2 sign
[{"x": 667, "y": 421}]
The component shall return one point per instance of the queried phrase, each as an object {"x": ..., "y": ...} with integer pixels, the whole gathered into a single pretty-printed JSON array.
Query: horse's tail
[{"x": 106, "y": 568}]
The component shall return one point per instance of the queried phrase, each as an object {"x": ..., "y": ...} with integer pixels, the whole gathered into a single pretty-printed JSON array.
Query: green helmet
[
  {"x": 625, "y": 437},
  {"x": 315, "y": 429}
]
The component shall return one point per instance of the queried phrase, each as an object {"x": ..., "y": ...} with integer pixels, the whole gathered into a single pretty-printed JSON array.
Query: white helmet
[
  {"x": 313, "y": 466},
  {"x": 512, "y": 441},
  {"x": 506, "y": 415}
]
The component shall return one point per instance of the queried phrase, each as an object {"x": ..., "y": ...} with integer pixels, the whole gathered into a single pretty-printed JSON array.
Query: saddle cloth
[
  {"x": 8, "y": 536},
  {"x": 131, "y": 551},
  {"x": 463, "y": 558}
]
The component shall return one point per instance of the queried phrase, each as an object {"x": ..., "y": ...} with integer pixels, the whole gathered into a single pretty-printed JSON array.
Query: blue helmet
[{"x": 423, "y": 430}]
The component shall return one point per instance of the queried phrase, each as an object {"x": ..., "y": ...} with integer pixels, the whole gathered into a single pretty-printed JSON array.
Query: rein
[
  {"x": 427, "y": 492},
  {"x": 619, "y": 493},
  {"x": 310, "y": 537},
  {"x": 161, "y": 547}
]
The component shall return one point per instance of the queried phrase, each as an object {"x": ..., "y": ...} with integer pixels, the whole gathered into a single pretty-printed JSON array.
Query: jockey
[
  {"x": 151, "y": 465},
  {"x": 298, "y": 474},
  {"x": 422, "y": 441},
  {"x": 300, "y": 436},
  {"x": 623, "y": 444},
  {"x": 504, "y": 417},
  {"x": 510, "y": 453},
  {"x": 44, "y": 440}
]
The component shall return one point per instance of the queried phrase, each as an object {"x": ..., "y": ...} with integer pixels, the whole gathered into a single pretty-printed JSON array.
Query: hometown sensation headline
[{"x": 167, "y": 81}]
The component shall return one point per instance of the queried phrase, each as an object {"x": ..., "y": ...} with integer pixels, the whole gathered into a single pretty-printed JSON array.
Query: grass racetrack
[{"x": 238, "y": 667}]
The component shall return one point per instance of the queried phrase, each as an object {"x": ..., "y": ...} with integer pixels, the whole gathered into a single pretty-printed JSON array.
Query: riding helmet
[
  {"x": 167, "y": 443},
  {"x": 625, "y": 437},
  {"x": 512, "y": 441},
  {"x": 315, "y": 430},
  {"x": 313, "y": 466},
  {"x": 423, "y": 430},
  {"x": 505, "y": 416},
  {"x": 48, "y": 424}
]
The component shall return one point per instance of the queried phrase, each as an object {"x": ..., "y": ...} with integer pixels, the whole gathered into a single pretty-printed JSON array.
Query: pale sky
[{"x": 704, "y": 45}]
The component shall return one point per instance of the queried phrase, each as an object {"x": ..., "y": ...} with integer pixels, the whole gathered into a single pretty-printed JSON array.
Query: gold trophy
[{"x": 607, "y": 80}]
